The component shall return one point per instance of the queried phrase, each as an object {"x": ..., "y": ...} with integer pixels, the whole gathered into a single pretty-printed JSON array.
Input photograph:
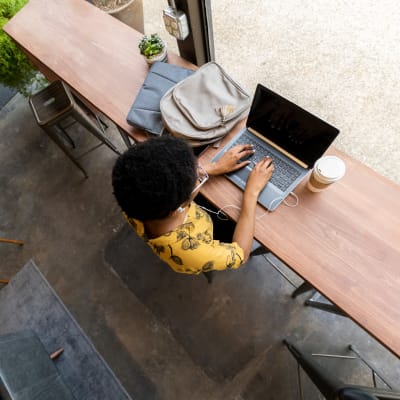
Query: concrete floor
[{"x": 166, "y": 336}]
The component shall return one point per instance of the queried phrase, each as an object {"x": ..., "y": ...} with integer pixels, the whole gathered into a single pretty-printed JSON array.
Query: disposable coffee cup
[{"x": 326, "y": 171}]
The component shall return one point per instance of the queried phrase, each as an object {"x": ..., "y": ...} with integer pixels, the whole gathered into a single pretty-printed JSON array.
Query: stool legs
[
  {"x": 209, "y": 276},
  {"x": 67, "y": 137},
  {"x": 52, "y": 132},
  {"x": 304, "y": 287},
  {"x": 81, "y": 117},
  {"x": 125, "y": 138}
]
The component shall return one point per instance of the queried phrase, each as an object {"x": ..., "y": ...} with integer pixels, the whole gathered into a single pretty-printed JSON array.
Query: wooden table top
[
  {"x": 93, "y": 52},
  {"x": 344, "y": 241}
]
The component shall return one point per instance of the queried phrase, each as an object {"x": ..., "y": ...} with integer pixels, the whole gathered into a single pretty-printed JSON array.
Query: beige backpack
[{"x": 205, "y": 106}]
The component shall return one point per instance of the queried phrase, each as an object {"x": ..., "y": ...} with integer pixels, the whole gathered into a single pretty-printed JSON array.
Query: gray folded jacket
[{"x": 145, "y": 111}]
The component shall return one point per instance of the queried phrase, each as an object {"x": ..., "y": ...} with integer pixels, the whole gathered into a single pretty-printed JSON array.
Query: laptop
[{"x": 290, "y": 135}]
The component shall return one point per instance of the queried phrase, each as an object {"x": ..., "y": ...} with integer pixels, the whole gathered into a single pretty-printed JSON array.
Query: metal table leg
[{"x": 126, "y": 138}]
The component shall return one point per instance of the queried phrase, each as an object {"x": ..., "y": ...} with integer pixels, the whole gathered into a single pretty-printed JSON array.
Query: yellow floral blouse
[{"x": 190, "y": 248}]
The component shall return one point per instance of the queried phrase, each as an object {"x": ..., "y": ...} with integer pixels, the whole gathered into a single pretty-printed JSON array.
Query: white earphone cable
[{"x": 223, "y": 217}]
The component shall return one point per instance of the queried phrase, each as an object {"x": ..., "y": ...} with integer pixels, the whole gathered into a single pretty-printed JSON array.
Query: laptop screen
[{"x": 287, "y": 125}]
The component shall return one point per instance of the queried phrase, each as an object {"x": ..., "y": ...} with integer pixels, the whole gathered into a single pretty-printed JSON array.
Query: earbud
[{"x": 180, "y": 209}]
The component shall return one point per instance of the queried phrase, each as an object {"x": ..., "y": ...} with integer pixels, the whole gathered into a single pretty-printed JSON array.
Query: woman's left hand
[{"x": 231, "y": 160}]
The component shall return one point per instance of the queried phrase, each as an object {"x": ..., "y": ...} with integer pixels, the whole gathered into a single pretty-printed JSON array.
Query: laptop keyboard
[{"x": 284, "y": 174}]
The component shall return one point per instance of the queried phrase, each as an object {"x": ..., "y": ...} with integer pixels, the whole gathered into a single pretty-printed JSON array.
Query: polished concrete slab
[{"x": 165, "y": 335}]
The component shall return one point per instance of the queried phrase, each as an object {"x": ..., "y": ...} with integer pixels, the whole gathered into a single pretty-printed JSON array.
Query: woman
[{"x": 155, "y": 183}]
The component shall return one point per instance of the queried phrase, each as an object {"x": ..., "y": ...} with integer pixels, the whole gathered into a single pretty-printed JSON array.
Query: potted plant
[
  {"x": 153, "y": 48},
  {"x": 16, "y": 70},
  {"x": 129, "y": 12}
]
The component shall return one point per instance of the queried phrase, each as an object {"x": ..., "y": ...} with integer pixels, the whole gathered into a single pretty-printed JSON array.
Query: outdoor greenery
[
  {"x": 16, "y": 70},
  {"x": 151, "y": 45}
]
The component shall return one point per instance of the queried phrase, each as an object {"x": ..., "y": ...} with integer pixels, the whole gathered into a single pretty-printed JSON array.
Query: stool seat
[{"x": 53, "y": 105}]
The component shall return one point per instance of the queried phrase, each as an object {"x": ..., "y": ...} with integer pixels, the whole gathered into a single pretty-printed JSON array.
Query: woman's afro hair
[{"x": 153, "y": 178}]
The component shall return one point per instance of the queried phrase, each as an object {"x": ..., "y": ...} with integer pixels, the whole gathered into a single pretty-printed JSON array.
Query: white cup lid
[{"x": 331, "y": 168}]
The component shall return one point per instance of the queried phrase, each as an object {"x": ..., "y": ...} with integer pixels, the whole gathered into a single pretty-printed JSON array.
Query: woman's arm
[
  {"x": 244, "y": 231},
  {"x": 258, "y": 178}
]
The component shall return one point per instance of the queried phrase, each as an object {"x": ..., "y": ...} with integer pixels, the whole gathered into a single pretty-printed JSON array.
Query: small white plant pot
[{"x": 163, "y": 56}]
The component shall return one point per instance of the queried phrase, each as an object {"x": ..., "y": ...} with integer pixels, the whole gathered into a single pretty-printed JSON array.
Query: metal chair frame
[{"x": 331, "y": 387}]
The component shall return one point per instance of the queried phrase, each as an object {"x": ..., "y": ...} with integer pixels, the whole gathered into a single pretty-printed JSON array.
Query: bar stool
[
  {"x": 333, "y": 388},
  {"x": 52, "y": 106}
]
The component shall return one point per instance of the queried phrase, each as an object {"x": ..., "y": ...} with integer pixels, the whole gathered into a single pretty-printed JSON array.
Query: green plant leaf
[
  {"x": 151, "y": 45},
  {"x": 16, "y": 70}
]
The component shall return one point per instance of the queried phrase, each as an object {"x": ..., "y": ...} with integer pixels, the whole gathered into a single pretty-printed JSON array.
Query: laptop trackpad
[{"x": 242, "y": 174}]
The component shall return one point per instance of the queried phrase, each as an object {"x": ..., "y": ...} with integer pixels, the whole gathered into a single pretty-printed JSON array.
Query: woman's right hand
[
  {"x": 259, "y": 176},
  {"x": 231, "y": 160}
]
